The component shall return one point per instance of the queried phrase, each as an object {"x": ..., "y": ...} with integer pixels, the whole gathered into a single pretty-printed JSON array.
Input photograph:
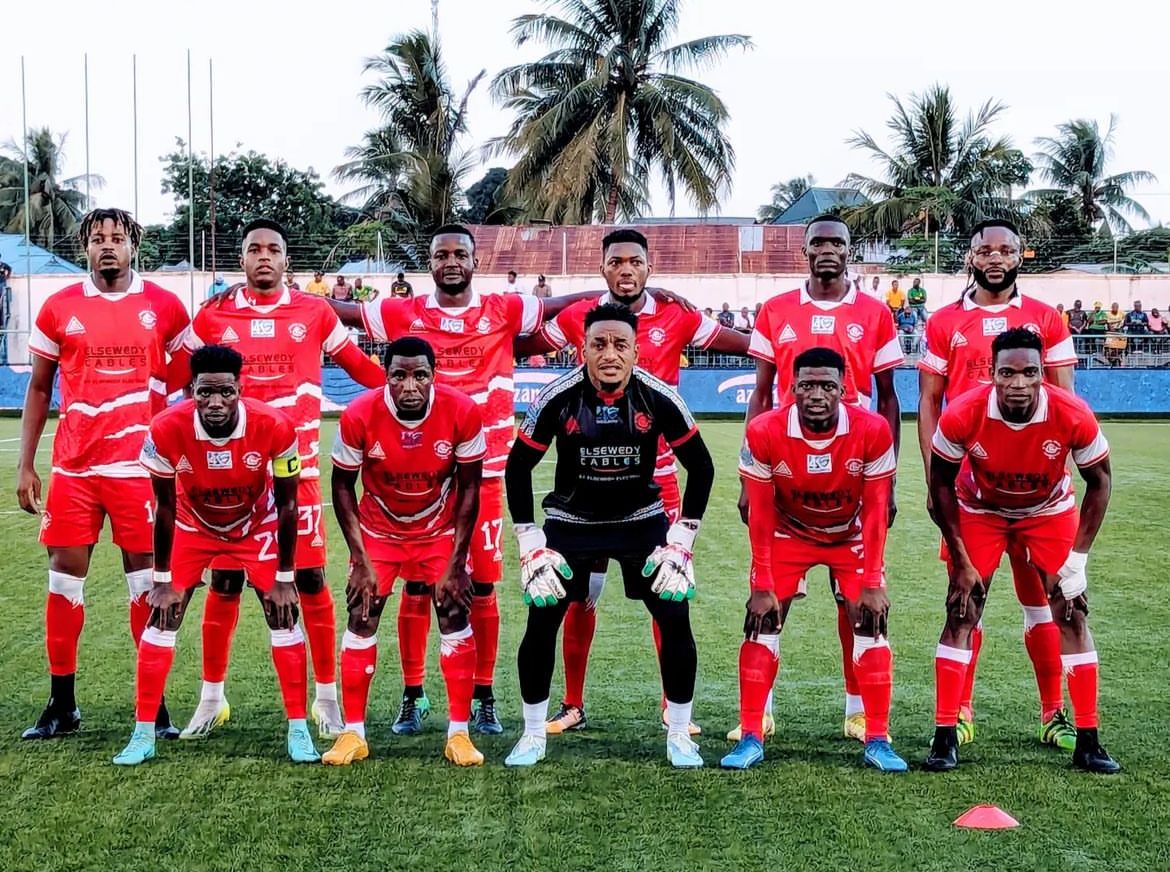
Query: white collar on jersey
[
  {"x": 91, "y": 290},
  {"x": 432, "y": 302},
  {"x": 242, "y": 301},
  {"x": 1016, "y": 300},
  {"x": 409, "y": 425},
  {"x": 796, "y": 432},
  {"x": 650, "y": 307},
  {"x": 202, "y": 435},
  {"x": 849, "y": 299},
  {"x": 1038, "y": 417}
]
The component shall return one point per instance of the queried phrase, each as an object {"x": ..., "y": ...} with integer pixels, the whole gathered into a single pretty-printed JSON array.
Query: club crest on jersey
[
  {"x": 417, "y": 326},
  {"x": 855, "y": 332},
  {"x": 978, "y": 451},
  {"x": 994, "y": 326},
  {"x": 643, "y": 422},
  {"x": 74, "y": 327},
  {"x": 823, "y": 324},
  {"x": 786, "y": 335},
  {"x": 298, "y": 331},
  {"x": 451, "y": 325},
  {"x": 410, "y": 439},
  {"x": 572, "y": 427},
  {"x": 263, "y": 328},
  {"x": 253, "y": 460},
  {"x": 607, "y": 414},
  {"x": 229, "y": 335},
  {"x": 442, "y": 449},
  {"x": 147, "y": 319},
  {"x": 854, "y": 466},
  {"x": 820, "y": 463},
  {"x": 1051, "y": 449},
  {"x": 219, "y": 460},
  {"x": 483, "y": 325},
  {"x": 657, "y": 335}
]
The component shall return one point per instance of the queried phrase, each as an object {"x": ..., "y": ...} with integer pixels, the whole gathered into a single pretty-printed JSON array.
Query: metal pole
[
  {"x": 134, "y": 76},
  {"x": 190, "y": 190},
  {"x": 87, "y": 200},
  {"x": 1115, "y": 254},
  {"x": 27, "y": 226},
  {"x": 936, "y": 251},
  {"x": 211, "y": 170}
]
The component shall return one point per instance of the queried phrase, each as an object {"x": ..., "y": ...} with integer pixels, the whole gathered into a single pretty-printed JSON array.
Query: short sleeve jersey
[
  {"x": 282, "y": 344},
  {"x": 606, "y": 445},
  {"x": 1018, "y": 470},
  {"x": 858, "y": 327},
  {"x": 223, "y": 486},
  {"x": 473, "y": 352},
  {"x": 958, "y": 339},
  {"x": 112, "y": 351},
  {"x": 818, "y": 482},
  {"x": 664, "y": 332},
  {"x": 408, "y": 467}
]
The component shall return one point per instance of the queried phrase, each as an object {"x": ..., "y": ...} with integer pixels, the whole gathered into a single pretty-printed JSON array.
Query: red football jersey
[
  {"x": 473, "y": 351},
  {"x": 408, "y": 467},
  {"x": 1018, "y": 470},
  {"x": 958, "y": 338},
  {"x": 112, "y": 352},
  {"x": 664, "y": 331},
  {"x": 282, "y": 343},
  {"x": 860, "y": 328},
  {"x": 818, "y": 482},
  {"x": 223, "y": 486}
]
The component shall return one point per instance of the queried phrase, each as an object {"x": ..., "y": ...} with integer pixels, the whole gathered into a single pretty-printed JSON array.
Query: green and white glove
[
  {"x": 676, "y": 573},
  {"x": 541, "y": 568}
]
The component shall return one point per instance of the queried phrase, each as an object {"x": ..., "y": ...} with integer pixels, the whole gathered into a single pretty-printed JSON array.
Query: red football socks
[
  {"x": 292, "y": 662},
  {"x": 156, "y": 654},
  {"x": 457, "y": 660},
  {"x": 1082, "y": 671},
  {"x": 759, "y": 661},
  {"x": 873, "y": 663},
  {"x": 221, "y": 613},
  {"x": 63, "y": 623},
  {"x": 968, "y": 690},
  {"x": 1042, "y": 639},
  {"x": 950, "y": 673},
  {"x": 359, "y": 661},
  {"x": 580, "y": 626},
  {"x": 321, "y": 629},
  {"x": 845, "y": 634},
  {"x": 414, "y": 626},
  {"x": 485, "y": 624}
]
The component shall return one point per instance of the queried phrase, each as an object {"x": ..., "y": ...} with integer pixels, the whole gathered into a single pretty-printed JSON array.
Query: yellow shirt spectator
[
  {"x": 895, "y": 297},
  {"x": 317, "y": 287}
]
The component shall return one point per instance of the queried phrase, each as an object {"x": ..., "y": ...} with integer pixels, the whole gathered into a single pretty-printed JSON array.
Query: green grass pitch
[{"x": 607, "y": 799}]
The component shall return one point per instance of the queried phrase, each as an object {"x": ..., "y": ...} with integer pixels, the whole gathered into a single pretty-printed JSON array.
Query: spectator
[
  {"x": 1155, "y": 323},
  {"x": 875, "y": 289},
  {"x": 1097, "y": 320},
  {"x": 542, "y": 288},
  {"x": 363, "y": 293},
  {"x": 1063, "y": 314},
  {"x": 1114, "y": 319},
  {"x": 5, "y": 309},
  {"x": 342, "y": 291},
  {"x": 1137, "y": 322},
  {"x": 896, "y": 297},
  {"x": 1078, "y": 319},
  {"x": 513, "y": 284},
  {"x": 290, "y": 282},
  {"x": 402, "y": 288},
  {"x": 317, "y": 286},
  {"x": 916, "y": 297},
  {"x": 217, "y": 287},
  {"x": 743, "y": 321},
  {"x": 756, "y": 313},
  {"x": 709, "y": 313},
  {"x": 726, "y": 317},
  {"x": 906, "y": 320}
]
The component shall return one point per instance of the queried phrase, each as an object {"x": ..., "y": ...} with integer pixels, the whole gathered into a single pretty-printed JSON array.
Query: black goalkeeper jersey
[{"x": 606, "y": 446}]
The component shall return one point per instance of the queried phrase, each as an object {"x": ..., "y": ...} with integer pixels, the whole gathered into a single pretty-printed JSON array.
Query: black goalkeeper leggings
[{"x": 678, "y": 663}]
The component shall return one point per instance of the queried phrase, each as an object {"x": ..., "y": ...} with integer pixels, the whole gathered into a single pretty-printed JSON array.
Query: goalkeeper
[{"x": 606, "y": 418}]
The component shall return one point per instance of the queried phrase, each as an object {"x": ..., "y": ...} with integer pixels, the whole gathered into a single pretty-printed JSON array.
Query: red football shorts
[
  {"x": 793, "y": 558},
  {"x": 310, "y": 525},
  {"x": 422, "y": 560},
  {"x": 670, "y": 493},
  {"x": 76, "y": 507},
  {"x": 255, "y": 553},
  {"x": 486, "y": 555},
  {"x": 1045, "y": 540}
]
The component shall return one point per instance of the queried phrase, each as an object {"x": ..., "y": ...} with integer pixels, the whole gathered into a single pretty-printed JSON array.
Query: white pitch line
[{"x": 17, "y": 438}]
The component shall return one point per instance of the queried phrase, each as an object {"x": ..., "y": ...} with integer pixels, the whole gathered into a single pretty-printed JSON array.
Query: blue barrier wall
[{"x": 726, "y": 391}]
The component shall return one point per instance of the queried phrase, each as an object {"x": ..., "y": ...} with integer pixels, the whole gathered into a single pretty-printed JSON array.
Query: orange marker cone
[{"x": 986, "y": 817}]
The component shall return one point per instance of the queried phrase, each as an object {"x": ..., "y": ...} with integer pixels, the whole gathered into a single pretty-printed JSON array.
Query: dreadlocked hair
[{"x": 118, "y": 216}]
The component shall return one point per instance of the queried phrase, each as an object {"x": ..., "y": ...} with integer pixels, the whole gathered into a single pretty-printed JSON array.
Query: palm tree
[
  {"x": 784, "y": 194},
  {"x": 607, "y": 105},
  {"x": 1073, "y": 163},
  {"x": 409, "y": 171},
  {"x": 55, "y": 205},
  {"x": 941, "y": 173}
]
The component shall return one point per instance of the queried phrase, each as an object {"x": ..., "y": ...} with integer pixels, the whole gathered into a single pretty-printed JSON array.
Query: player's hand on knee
[
  {"x": 763, "y": 614},
  {"x": 163, "y": 598},
  {"x": 1073, "y": 583},
  {"x": 361, "y": 587},
  {"x": 541, "y": 568},
  {"x": 874, "y": 605},
  {"x": 675, "y": 579},
  {"x": 282, "y": 599},
  {"x": 967, "y": 589},
  {"x": 455, "y": 588}
]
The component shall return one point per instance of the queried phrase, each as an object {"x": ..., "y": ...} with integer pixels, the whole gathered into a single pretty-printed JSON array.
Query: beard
[
  {"x": 1008, "y": 280},
  {"x": 453, "y": 288}
]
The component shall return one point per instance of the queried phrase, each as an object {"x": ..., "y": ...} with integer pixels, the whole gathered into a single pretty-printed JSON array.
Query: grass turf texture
[{"x": 607, "y": 798}]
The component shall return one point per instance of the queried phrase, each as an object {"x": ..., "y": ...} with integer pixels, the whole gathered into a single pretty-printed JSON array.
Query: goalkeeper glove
[
  {"x": 1073, "y": 582},
  {"x": 676, "y": 573},
  {"x": 540, "y": 567}
]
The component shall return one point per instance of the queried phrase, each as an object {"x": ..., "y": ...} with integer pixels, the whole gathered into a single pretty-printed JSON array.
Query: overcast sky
[{"x": 287, "y": 78}]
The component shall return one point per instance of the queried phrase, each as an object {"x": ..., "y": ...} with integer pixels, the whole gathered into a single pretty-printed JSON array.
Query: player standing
[
  {"x": 665, "y": 329},
  {"x": 419, "y": 448},
  {"x": 224, "y": 471},
  {"x": 607, "y": 418},
  {"x": 281, "y": 334},
  {"x": 818, "y": 474},
  {"x": 110, "y": 336},
  {"x": 956, "y": 357},
  {"x": 830, "y": 312},
  {"x": 999, "y": 479}
]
